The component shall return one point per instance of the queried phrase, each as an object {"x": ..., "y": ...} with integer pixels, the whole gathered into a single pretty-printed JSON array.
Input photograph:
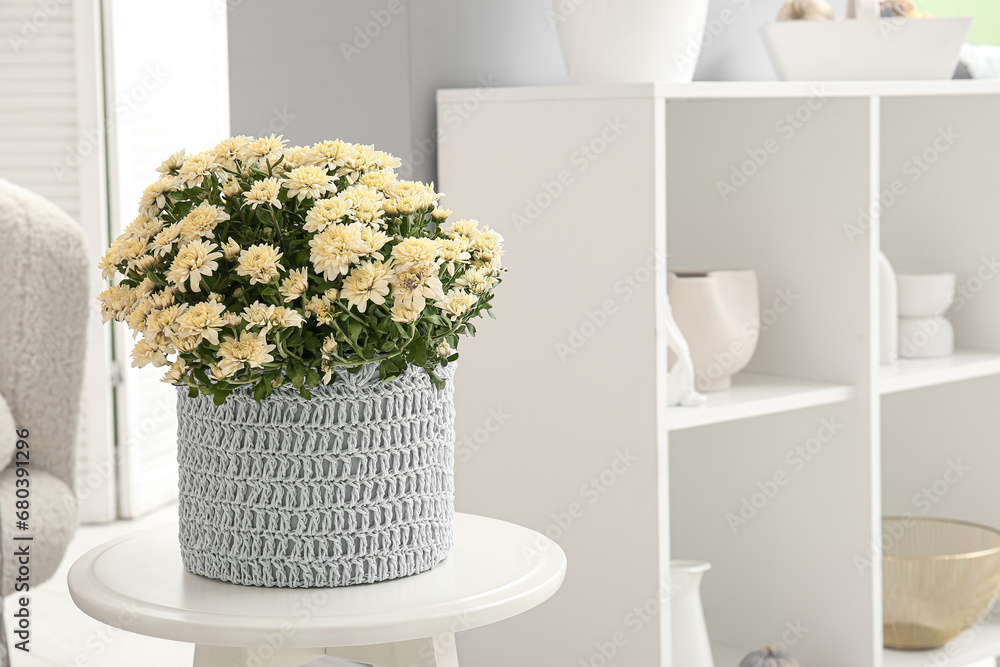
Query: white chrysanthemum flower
[
  {"x": 116, "y": 302},
  {"x": 444, "y": 349},
  {"x": 231, "y": 248},
  {"x": 264, "y": 150},
  {"x": 260, "y": 262},
  {"x": 326, "y": 212},
  {"x": 467, "y": 228},
  {"x": 441, "y": 213},
  {"x": 176, "y": 372},
  {"x": 487, "y": 245},
  {"x": 260, "y": 314},
  {"x": 476, "y": 280},
  {"x": 163, "y": 299},
  {"x": 264, "y": 191},
  {"x": 143, "y": 227},
  {"x": 232, "y": 187},
  {"x": 331, "y": 155},
  {"x": 109, "y": 263},
  {"x": 285, "y": 318},
  {"x": 320, "y": 307},
  {"x": 294, "y": 285},
  {"x": 416, "y": 254},
  {"x": 309, "y": 181},
  {"x": 404, "y": 313},
  {"x": 335, "y": 249},
  {"x": 413, "y": 288},
  {"x": 172, "y": 164},
  {"x": 203, "y": 320},
  {"x": 331, "y": 294},
  {"x": 296, "y": 156},
  {"x": 456, "y": 302},
  {"x": 193, "y": 262},
  {"x": 374, "y": 240},
  {"x": 368, "y": 281},
  {"x": 249, "y": 350},
  {"x": 365, "y": 202},
  {"x": 165, "y": 321},
  {"x": 452, "y": 253},
  {"x": 329, "y": 345},
  {"x": 154, "y": 197},
  {"x": 201, "y": 222},
  {"x": 143, "y": 264},
  {"x": 136, "y": 319},
  {"x": 232, "y": 319},
  {"x": 227, "y": 151},
  {"x": 163, "y": 242},
  {"x": 382, "y": 180},
  {"x": 147, "y": 352},
  {"x": 195, "y": 168}
]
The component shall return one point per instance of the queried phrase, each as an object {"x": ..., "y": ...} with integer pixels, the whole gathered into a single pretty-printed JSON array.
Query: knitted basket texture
[{"x": 353, "y": 486}]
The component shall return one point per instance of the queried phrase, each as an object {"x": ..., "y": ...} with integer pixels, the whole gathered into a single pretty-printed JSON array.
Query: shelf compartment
[
  {"x": 978, "y": 646},
  {"x": 918, "y": 373},
  {"x": 755, "y": 395}
]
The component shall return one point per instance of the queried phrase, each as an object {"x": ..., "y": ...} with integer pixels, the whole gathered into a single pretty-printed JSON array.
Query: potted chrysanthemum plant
[{"x": 308, "y": 305}]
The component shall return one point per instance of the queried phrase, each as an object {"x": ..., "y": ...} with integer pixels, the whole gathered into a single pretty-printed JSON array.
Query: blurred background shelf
[{"x": 917, "y": 373}]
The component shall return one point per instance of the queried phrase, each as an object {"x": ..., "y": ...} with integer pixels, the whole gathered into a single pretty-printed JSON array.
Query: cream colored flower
[
  {"x": 296, "y": 156},
  {"x": 163, "y": 299},
  {"x": 146, "y": 352},
  {"x": 232, "y": 187},
  {"x": 404, "y": 313},
  {"x": 452, "y": 253},
  {"x": 260, "y": 262},
  {"x": 219, "y": 374},
  {"x": 373, "y": 240},
  {"x": 320, "y": 307},
  {"x": 264, "y": 191},
  {"x": 165, "y": 321},
  {"x": 249, "y": 350},
  {"x": 414, "y": 287},
  {"x": 195, "y": 168},
  {"x": 131, "y": 249},
  {"x": 335, "y": 249},
  {"x": 154, "y": 198},
  {"x": 193, "y": 262},
  {"x": 109, "y": 263},
  {"x": 203, "y": 320},
  {"x": 326, "y": 212},
  {"x": 259, "y": 314},
  {"x": 476, "y": 280},
  {"x": 227, "y": 151},
  {"x": 163, "y": 243},
  {"x": 143, "y": 264},
  {"x": 143, "y": 227},
  {"x": 444, "y": 349},
  {"x": 186, "y": 343},
  {"x": 116, "y": 302},
  {"x": 136, "y": 319},
  {"x": 366, "y": 158},
  {"x": 215, "y": 296},
  {"x": 467, "y": 228},
  {"x": 456, "y": 302},
  {"x": 201, "y": 222},
  {"x": 382, "y": 180},
  {"x": 329, "y": 345},
  {"x": 441, "y": 213},
  {"x": 368, "y": 281},
  {"x": 416, "y": 254},
  {"x": 232, "y": 319},
  {"x": 487, "y": 245},
  {"x": 309, "y": 181},
  {"x": 294, "y": 285},
  {"x": 264, "y": 150},
  {"x": 285, "y": 318},
  {"x": 172, "y": 164},
  {"x": 330, "y": 294},
  {"x": 147, "y": 287},
  {"x": 176, "y": 372},
  {"x": 331, "y": 155},
  {"x": 231, "y": 249}
]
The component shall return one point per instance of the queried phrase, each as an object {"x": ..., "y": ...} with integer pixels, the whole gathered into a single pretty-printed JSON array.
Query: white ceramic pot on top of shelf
[{"x": 630, "y": 41}]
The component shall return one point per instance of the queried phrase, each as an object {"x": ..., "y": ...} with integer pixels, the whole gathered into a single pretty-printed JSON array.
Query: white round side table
[{"x": 495, "y": 570}]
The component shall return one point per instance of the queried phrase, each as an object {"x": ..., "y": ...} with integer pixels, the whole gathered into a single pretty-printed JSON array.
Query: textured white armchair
[{"x": 44, "y": 299}]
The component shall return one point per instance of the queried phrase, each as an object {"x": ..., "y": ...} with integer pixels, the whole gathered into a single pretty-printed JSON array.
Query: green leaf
[
  {"x": 260, "y": 391},
  {"x": 220, "y": 397},
  {"x": 418, "y": 351},
  {"x": 305, "y": 393},
  {"x": 193, "y": 392},
  {"x": 354, "y": 329}
]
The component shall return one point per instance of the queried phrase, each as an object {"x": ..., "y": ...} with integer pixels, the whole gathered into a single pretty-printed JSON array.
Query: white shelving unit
[{"x": 780, "y": 482}]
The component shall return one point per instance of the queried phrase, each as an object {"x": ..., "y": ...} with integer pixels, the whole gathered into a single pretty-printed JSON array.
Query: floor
[{"x": 63, "y": 636}]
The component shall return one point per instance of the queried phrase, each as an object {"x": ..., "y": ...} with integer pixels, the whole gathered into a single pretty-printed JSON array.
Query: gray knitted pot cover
[{"x": 354, "y": 486}]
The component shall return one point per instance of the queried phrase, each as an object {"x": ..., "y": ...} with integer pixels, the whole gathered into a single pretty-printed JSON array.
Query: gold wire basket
[{"x": 939, "y": 577}]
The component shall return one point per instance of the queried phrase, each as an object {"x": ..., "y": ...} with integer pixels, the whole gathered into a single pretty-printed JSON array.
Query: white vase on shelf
[
  {"x": 630, "y": 41},
  {"x": 690, "y": 646},
  {"x": 719, "y": 314}
]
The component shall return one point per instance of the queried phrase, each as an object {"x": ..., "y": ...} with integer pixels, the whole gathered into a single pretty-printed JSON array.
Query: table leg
[
  {"x": 438, "y": 651},
  {"x": 263, "y": 656}
]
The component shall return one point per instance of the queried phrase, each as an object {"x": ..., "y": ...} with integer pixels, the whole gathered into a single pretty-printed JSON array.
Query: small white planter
[
  {"x": 925, "y": 295},
  {"x": 690, "y": 645},
  {"x": 866, "y": 50},
  {"x": 630, "y": 41}
]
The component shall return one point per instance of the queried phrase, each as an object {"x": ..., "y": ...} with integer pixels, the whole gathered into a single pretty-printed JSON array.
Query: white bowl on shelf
[{"x": 866, "y": 50}]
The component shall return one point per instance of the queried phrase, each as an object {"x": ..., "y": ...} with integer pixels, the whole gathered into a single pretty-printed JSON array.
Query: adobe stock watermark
[
  {"x": 124, "y": 105},
  {"x": 796, "y": 459},
  {"x": 452, "y": 118},
  {"x": 913, "y": 169},
  {"x": 589, "y": 493},
  {"x": 467, "y": 445},
  {"x": 715, "y": 27},
  {"x": 365, "y": 34},
  {"x": 33, "y": 25},
  {"x": 758, "y": 156},
  {"x": 923, "y": 501},
  {"x": 580, "y": 160}
]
